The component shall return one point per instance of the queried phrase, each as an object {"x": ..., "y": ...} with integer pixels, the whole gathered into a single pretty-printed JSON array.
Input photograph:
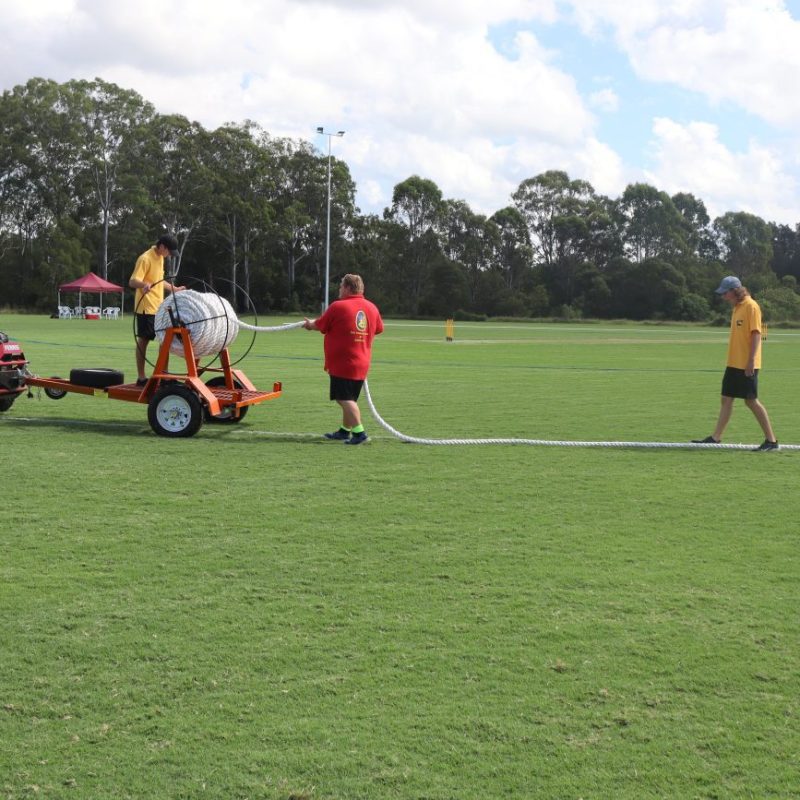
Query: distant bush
[
  {"x": 469, "y": 316},
  {"x": 693, "y": 308},
  {"x": 780, "y": 303}
]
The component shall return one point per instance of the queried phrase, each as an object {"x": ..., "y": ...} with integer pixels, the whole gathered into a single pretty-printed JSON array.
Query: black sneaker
[
  {"x": 358, "y": 438},
  {"x": 341, "y": 434},
  {"x": 142, "y": 381},
  {"x": 765, "y": 446},
  {"x": 707, "y": 440}
]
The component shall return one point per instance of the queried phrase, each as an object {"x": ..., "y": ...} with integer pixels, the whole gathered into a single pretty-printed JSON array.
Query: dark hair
[
  {"x": 740, "y": 292},
  {"x": 168, "y": 241}
]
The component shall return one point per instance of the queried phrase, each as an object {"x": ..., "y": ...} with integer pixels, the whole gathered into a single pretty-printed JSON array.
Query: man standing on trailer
[
  {"x": 743, "y": 364},
  {"x": 349, "y": 325},
  {"x": 148, "y": 280}
]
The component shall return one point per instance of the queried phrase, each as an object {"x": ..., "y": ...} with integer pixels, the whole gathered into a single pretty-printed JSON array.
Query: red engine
[{"x": 13, "y": 371}]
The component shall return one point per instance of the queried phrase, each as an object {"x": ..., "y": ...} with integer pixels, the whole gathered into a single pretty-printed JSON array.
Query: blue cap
[{"x": 731, "y": 282}]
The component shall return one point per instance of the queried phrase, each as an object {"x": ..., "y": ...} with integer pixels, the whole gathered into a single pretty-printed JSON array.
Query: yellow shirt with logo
[
  {"x": 150, "y": 268},
  {"x": 745, "y": 319}
]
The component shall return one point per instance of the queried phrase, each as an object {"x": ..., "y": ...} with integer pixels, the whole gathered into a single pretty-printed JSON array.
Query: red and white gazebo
[{"x": 92, "y": 284}]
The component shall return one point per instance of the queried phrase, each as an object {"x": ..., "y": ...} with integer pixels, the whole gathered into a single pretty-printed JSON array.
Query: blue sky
[
  {"x": 688, "y": 95},
  {"x": 595, "y": 63}
]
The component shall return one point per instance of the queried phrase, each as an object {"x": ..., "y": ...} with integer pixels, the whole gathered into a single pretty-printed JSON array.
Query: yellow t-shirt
[
  {"x": 149, "y": 267},
  {"x": 745, "y": 319}
]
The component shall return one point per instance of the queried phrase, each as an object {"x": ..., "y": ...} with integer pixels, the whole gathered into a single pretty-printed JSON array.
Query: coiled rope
[
  {"x": 210, "y": 319},
  {"x": 213, "y": 326}
]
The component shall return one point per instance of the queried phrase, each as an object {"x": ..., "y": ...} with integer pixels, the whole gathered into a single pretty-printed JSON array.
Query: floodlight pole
[{"x": 330, "y": 136}]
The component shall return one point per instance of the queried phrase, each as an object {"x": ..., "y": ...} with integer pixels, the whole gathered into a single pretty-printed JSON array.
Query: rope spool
[{"x": 210, "y": 319}]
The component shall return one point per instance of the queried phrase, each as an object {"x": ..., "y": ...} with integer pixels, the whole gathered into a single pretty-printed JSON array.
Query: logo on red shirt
[{"x": 361, "y": 321}]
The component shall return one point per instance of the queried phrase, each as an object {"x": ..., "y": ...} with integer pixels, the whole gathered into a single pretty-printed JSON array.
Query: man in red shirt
[{"x": 349, "y": 325}]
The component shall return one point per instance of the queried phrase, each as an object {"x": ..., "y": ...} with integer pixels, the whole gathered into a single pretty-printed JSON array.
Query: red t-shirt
[{"x": 350, "y": 325}]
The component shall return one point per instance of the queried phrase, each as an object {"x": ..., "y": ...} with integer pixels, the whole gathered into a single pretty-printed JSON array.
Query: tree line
[{"x": 90, "y": 174}]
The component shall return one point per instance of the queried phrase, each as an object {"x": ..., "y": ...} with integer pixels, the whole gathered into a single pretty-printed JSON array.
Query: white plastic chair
[
  {"x": 78, "y": 312},
  {"x": 64, "y": 312},
  {"x": 111, "y": 312},
  {"x": 91, "y": 311}
]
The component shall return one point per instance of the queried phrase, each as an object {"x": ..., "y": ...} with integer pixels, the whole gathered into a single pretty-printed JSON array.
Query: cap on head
[
  {"x": 731, "y": 282},
  {"x": 170, "y": 242}
]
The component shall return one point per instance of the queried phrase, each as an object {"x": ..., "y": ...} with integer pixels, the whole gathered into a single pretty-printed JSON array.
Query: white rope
[
  {"x": 213, "y": 326},
  {"x": 558, "y": 442},
  {"x": 209, "y": 318},
  {"x": 287, "y": 326}
]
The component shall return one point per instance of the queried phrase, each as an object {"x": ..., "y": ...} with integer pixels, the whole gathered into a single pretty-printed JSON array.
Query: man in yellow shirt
[
  {"x": 743, "y": 364},
  {"x": 148, "y": 280}
]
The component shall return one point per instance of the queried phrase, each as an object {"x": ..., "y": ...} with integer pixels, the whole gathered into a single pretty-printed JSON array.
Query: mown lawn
[{"x": 258, "y": 613}]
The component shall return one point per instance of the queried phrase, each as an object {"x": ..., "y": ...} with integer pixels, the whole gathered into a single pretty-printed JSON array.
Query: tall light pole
[{"x": 330, "y": 136}]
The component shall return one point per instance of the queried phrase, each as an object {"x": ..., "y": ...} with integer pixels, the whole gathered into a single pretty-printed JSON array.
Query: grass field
[{"x": 257, "y": 613}]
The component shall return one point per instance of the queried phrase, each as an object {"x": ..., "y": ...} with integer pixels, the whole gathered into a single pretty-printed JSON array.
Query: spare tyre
[{"x": 98, "y": 378}]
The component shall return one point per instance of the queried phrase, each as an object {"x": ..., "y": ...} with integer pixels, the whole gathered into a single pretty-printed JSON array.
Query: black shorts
[
  {"x": 345, "y": 388},
  {"x": 736, "y": 384},
  {"x": 146, "y": 326}
]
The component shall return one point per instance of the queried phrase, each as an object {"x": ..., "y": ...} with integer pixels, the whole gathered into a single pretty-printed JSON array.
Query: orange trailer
[{"x": 177, "y": 402}]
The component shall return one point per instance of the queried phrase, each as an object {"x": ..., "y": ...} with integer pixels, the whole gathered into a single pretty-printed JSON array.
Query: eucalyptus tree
[
  {"x": 417, "y": 208},
  {"x": 555, "y": 209},
  {"x": 112, "y": 123},
  {"x": 40, "y": 163},
  {"x": 370, "y": 251},
  {"x": 652, "y": 227},
  {"x": 10, "y": 146},
  {"x": 177, "y": 164},
  {"x": 514, "y": 252},
  {"x": 301, "y": 206},
  {"x": 697, "y": 225},
  {"x": 560, "y": 214},
  {"x": 471, "y": 241},
  {"x": 40, "y": 200},
  {"x": 745, "y": 243},
  {"x": 786, "y": 250},
  {"x": 243, "y": 184}
]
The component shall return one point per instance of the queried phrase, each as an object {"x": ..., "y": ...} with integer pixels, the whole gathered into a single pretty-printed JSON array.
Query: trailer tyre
[
  {"x": 96, "y": 378},
  {"x": 175, "y": 410},
  {"x": 7, "y": 402},
  {"x": 226, "y": 417}
]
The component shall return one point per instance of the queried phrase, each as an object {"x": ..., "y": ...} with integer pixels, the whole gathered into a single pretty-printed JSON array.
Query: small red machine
[
  {"x": 177, "y": 402},
  {"x": 13, "y": 372}
]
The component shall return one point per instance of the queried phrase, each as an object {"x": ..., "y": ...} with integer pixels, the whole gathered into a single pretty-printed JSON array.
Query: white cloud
[
  {"x": 735, "y": 51},
  {"x": 420, "y": 87},
  {"x": 605, "y": 100},
  {"x": 691, "y": 158}
]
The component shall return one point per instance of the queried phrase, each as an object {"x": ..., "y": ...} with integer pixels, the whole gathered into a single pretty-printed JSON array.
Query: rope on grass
[
  {"x": 213, "y": 325},
  {"x": 210, "y": 319},
  {"x": 557, "y": 442}
]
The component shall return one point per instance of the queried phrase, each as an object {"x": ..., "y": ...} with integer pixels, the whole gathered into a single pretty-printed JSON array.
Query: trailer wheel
[
  {"x": 55, "y": 394},
  {"x": 175, "y": 410},
  {"x": 7, "y": 402},
  {"x": 226, "y": 415}
]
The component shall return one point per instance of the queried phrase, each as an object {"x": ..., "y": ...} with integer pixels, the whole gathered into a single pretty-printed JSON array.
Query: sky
[{"x": 694, "y": 96}]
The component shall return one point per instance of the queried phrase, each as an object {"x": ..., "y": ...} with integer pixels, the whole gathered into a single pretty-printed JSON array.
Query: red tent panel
[{"x": 90, "y": 283}]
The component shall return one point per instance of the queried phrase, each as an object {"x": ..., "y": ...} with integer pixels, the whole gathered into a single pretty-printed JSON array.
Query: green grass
[{"x": 256, "y": 613}]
